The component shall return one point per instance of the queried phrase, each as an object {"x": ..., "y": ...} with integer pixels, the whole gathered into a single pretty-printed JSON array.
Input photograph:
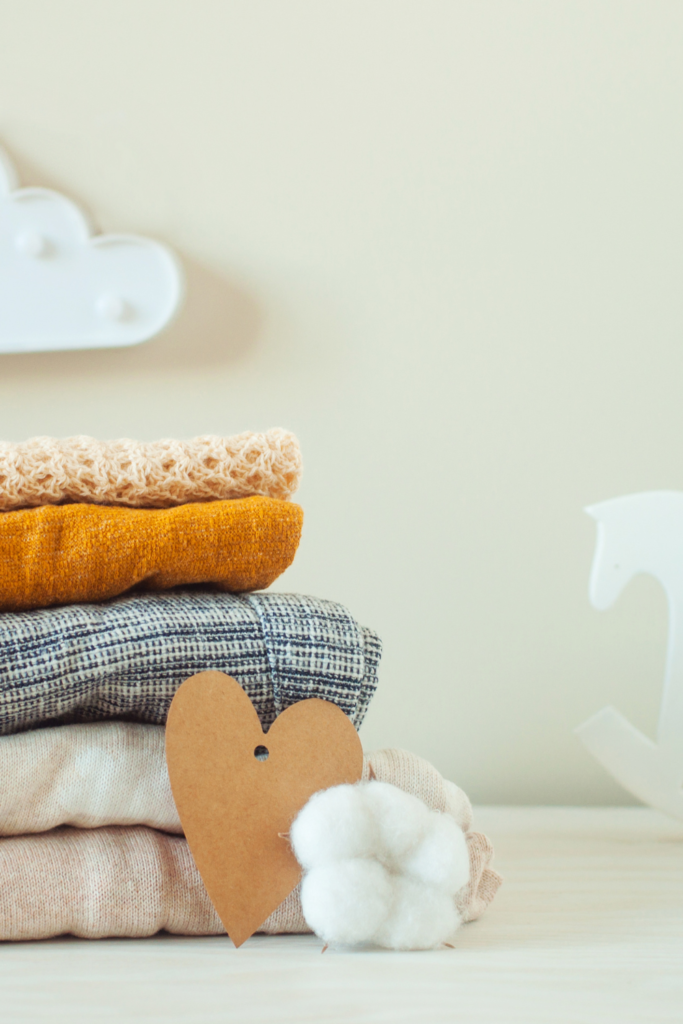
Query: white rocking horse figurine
[{"x": 642, "y": 533}]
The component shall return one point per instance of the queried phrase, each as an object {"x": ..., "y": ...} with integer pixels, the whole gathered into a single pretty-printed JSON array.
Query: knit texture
[
  {"x": 126, "y": 658},
  {"x": 64, "y": 554},
  {"x": 87, "y": 775},
  {"x": 136, "y": 881},
  {"x": 157, "y": 474},
  {"x": 114, "y": 773}
]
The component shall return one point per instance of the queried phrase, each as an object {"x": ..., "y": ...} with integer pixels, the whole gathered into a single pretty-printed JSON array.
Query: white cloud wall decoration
[{"x": 63, "y": 287}]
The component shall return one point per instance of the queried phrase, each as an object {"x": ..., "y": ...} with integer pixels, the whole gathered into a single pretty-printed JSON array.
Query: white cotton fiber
[
  {"x": 334, "y": 825},
  {"x": 401, "y": 819},
  {"x": 421, "y": 917},
  {"x": 380, "y": 867},
  {"x": 347, "y": 901},
  {"x": 441, "y": 857}
]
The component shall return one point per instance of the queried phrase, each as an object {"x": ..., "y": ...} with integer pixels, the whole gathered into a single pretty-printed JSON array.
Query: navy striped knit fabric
[{"x": 126, "y": 658}]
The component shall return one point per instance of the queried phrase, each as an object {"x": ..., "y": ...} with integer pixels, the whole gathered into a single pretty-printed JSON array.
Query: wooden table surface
[{"x": 587, "y": 928}]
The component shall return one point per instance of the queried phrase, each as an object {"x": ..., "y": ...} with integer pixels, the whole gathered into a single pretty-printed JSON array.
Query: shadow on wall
[{"x": 219, "y": 324}]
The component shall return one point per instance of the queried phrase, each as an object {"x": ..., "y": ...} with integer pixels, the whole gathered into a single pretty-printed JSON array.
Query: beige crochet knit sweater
[{"x": 156, "y": 474}]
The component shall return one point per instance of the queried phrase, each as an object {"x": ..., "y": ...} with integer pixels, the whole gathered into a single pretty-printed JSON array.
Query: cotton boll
[
  {"x": 347, "y": 901},
  {"x": 334, "y": 825},
  {"x": 441, "y": 858},
  {"x": 401, "y": 818},
  {"x": 421, "y": 917},
  {"x": 381, "y": 867}
]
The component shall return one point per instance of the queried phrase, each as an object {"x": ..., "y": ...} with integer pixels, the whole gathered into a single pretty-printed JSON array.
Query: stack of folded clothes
[{"x": 126, "y": 568}]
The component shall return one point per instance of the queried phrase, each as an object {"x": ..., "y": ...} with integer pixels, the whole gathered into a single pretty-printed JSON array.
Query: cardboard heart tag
[{"x": 234, "y": 805}]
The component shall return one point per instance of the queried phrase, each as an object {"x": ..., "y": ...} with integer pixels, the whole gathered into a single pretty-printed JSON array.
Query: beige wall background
[{"x": 441, "y": 241}]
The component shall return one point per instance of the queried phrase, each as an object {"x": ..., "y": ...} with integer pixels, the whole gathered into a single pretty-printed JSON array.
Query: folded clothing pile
[
  {"x": 126, "y": 568},
  {"x": 87, "y": 520},
  {"x": 114, "y": 861}
]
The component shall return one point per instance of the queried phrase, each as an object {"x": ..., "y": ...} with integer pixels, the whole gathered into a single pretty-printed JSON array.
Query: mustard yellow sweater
[{"x": 66, "y": 554}]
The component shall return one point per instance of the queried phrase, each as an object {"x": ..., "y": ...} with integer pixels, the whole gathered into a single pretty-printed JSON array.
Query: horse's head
[{"x": 640, "y": 533}]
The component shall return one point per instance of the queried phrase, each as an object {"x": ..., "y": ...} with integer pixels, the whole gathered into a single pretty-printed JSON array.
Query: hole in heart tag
[{"x": 237, "y": 797}]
